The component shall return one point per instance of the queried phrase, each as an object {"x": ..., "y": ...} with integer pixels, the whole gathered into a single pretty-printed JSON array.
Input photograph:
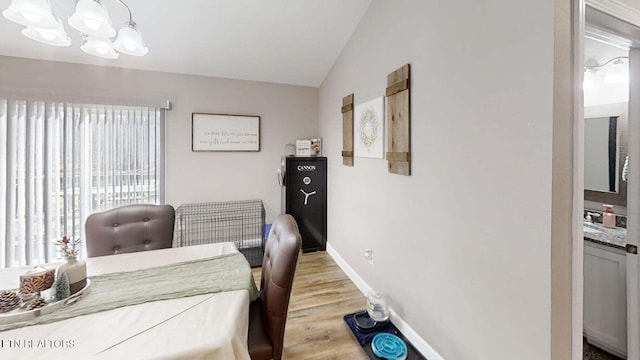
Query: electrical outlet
[{"x": 368, "y": 254}]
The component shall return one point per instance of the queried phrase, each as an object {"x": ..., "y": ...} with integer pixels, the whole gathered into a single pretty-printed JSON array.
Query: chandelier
[{"x": 90, "y": 18}]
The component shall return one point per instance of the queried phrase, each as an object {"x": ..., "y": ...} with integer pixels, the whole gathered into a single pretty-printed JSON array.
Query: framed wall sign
[
  {"x": 221, "y": 132},
  {"x": 303, "y": 147}
]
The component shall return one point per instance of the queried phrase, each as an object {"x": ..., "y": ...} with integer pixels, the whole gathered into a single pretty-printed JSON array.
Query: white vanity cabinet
[{"x": 605, "y": 297}]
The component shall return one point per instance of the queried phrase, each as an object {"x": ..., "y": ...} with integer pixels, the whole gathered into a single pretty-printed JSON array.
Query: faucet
[{"x": 591, "y": 215}]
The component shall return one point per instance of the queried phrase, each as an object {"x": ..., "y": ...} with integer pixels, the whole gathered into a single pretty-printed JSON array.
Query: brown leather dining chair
[
  {"x": 129, "y": 228},
  {"x": 268, "y": 314}
]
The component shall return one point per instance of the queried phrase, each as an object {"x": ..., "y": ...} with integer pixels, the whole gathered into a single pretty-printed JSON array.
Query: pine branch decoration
[{"x": 62, "y": 287}]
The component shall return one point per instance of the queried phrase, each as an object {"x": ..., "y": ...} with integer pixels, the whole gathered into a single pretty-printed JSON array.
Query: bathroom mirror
[{"x": 605, "y": 152}]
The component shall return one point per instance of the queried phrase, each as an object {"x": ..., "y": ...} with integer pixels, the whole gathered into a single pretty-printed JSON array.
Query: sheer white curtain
[{"x": 60, "y": 162}]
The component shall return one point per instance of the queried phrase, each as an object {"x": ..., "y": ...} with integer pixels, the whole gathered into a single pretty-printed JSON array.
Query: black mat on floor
[{"x": 365, "y": 339}]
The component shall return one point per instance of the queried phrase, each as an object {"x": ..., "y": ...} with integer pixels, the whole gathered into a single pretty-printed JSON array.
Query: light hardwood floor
[{"x": 322, "y": 294}]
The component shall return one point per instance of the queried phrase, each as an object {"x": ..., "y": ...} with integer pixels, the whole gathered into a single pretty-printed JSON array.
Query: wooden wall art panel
[
  {"x": 347, "y": 130},
  {"x": 399, "y": 121}
]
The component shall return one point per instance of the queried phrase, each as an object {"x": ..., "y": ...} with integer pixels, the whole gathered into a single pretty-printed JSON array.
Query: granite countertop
[{"x": 613, "y": 237}]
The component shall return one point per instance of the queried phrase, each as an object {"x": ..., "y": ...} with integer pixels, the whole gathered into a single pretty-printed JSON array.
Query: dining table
[{"x": 210, "y": 325}]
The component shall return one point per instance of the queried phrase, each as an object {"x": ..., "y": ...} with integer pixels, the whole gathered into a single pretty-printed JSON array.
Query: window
[{"x": 60, "y": 162}]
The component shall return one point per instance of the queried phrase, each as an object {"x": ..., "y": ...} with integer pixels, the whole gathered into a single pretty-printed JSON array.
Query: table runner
[{"x": 110, "y": 291}]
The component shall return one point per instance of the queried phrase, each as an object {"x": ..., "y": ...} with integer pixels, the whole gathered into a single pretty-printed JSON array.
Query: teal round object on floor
[{"x": 389, "y": 346}]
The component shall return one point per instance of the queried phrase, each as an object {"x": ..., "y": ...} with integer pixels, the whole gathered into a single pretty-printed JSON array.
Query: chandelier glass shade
[
  {"x": 90, "y": 18},
  {"x": 99, "y": 46},
  {"x": 30, "y": 13},
  {"x": 52, "y": 36},
  {"x": 129, "y": 41}
]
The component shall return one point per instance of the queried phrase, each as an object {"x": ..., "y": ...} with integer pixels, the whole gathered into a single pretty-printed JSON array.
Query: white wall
[
  {"x": 287, "y": 112},
  {"x": 602, "y": 92},
  {"x": 462, "y": 246},
  {"x": 634, "y": 4}
]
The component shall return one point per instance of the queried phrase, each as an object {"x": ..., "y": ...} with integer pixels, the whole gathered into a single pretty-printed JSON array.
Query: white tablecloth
[{"x": 212, "y": 326}]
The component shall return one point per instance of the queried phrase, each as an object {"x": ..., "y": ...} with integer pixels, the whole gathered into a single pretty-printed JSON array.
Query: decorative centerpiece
[
  {"x": 75, "y": 270},
  {"x": 9, "y": 300},
  {"x": 36, "y": 280}
]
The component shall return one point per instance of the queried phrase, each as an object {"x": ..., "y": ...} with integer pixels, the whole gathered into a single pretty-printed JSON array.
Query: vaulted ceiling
[{"x": 282, "y": 41}]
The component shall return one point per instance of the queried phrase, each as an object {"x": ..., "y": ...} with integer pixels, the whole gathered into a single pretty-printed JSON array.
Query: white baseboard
[
  {"x": 419, "y": 343},
  {"x": 362, "y": 286}
]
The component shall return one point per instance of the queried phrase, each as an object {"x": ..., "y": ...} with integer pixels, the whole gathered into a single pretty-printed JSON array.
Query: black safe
[{"x": 305, "y": 198}]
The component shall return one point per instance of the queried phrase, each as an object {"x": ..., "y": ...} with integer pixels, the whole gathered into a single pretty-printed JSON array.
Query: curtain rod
[{"x": 69, "y": 98}]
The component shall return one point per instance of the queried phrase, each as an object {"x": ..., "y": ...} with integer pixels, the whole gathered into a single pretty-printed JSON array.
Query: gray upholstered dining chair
[
  {"x": 129, "y": 228},
  {"x": 268, "y": 314}
]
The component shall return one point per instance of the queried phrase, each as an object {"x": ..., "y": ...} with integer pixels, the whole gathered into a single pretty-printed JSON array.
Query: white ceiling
[{"x": 282, "y": 41}]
